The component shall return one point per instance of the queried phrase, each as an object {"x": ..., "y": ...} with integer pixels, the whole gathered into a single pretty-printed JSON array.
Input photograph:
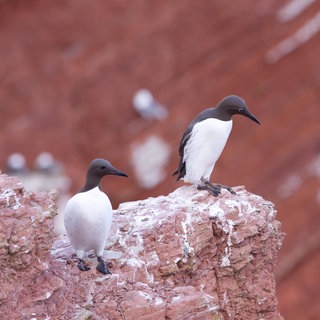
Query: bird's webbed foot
[
  {"x": 229, "y": 189},
  {"x": 102, "y": 266},
  {"x": 82, "y": 266},
  {"x": 214, "y": 189}
]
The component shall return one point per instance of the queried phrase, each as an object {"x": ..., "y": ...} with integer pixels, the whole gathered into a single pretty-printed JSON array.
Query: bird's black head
[
  {"x": 236, "y": 105},
  {"x": 101, "y": 167},
  {"x": 98, "y": 168}
]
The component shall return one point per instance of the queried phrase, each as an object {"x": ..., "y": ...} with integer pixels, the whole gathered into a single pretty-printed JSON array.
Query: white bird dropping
[{"x": 88, "y": 215}]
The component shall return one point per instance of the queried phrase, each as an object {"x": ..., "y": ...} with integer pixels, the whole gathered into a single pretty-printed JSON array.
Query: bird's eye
[{"x": 102, "y": 167}]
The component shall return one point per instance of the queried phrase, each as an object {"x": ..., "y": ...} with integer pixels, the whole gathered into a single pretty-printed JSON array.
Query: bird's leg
[
  {"x": 212, "y": 189},
  {"x": 102, "y": 266},
  {"x": 81, "y": 265}
]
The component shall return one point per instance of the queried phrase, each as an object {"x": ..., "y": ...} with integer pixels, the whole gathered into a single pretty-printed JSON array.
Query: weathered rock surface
[{"x": 183, "y": 256}]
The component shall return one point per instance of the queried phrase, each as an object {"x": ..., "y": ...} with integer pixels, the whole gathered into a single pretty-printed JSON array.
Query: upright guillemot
[
  {"x": 203, "y": 141},
  {"x": 88, "y": 215}
]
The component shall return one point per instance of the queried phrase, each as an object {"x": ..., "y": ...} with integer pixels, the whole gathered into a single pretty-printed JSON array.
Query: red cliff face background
[{"x": 69, "y": 71}]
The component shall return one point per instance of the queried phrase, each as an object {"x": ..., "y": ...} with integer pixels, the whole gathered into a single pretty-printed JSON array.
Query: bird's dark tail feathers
[{"x": 181, "y": 171}]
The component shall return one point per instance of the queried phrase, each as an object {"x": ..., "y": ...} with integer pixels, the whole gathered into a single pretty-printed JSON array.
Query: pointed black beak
[
  {"x": 249, "y": 115},
  {"x": 117, "y": 172}
]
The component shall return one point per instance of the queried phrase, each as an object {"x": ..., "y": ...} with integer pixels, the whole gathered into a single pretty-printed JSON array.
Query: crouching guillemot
[
  {"x": 203, "y": 141},
  {"x": 88, "y": 215}
]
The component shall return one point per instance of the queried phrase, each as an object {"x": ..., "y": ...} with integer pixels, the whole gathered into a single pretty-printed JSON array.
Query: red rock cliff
[{"x": 183, "y": 256}]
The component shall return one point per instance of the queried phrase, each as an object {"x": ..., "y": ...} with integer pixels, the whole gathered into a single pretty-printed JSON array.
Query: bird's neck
[
  {"x": 221, "y": 114},
  {"x": 91, "y": 183}
]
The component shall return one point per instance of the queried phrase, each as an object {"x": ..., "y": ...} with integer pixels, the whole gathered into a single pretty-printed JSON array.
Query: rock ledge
[{"x": 183, "y": 256}]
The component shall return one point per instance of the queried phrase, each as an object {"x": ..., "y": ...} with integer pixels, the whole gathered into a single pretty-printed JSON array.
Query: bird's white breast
[
  {"x": 88, "y": 218},
  {"x": 204, "y": 147}
]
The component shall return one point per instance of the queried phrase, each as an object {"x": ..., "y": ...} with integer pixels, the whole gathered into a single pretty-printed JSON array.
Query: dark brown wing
[{"x": 181, "y": 171}]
